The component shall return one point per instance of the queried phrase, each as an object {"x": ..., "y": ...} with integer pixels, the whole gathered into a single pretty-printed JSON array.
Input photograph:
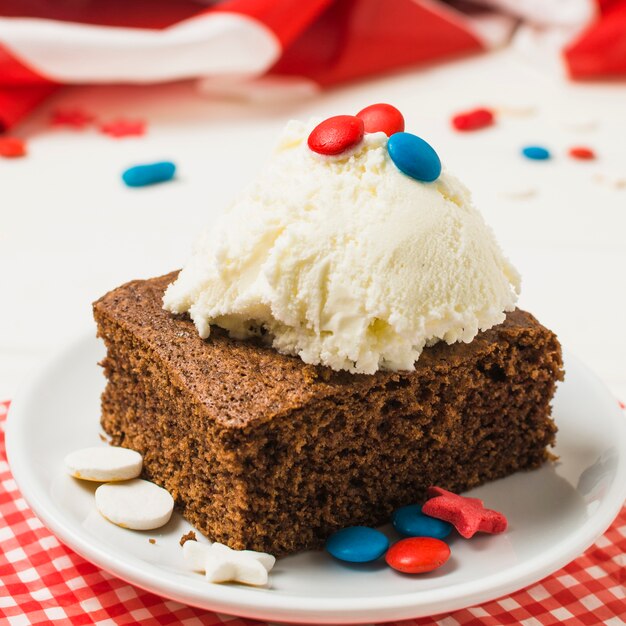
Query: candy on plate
[
  {"x": 467, "y": 515},
  {"x": 357, "y": 544},
  {"x": 223, "y": 564},
  {"x": 410, "y": 521},
  {"x": 416, "y": 555},
  {"x": 104, "y": 463},
  {"x": 136, "y": 504}
]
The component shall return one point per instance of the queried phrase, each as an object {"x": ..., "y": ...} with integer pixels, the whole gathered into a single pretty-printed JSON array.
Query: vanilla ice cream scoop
[{"x": 347, "y": 262}]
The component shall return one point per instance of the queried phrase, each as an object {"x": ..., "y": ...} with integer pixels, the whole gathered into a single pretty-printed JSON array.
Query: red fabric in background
[
  {"x": 600, "y": 50},
  {"x": 357, "y": 38},
  {"x": 327, "y": 41},
  {"x": 286, "y": 18},
  {"x": 21, "y": 89},
  {"x": 150, "y": 14},
  {"x": 17, "y": 102}
]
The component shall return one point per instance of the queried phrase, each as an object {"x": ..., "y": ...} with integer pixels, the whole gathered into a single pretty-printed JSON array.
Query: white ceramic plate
[{"x": 554, "y": 513}]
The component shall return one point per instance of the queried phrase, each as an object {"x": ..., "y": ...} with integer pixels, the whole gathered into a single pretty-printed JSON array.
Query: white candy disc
[
  {"x": 104, "y": 463},
  {"x": 136, "y": 504}
]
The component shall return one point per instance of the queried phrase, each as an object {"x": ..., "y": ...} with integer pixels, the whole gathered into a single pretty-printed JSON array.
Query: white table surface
[{"x": 70, "y": 230}]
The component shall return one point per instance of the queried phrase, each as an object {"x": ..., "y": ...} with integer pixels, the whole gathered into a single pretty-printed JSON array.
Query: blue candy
[
  {"x": 149, "y": 174},
  {"x": 413, "y": 156},
  {"x": 536, "y": 153},
  {"x": 357, "y": 544},
  {"x": 411, "y": 522}
]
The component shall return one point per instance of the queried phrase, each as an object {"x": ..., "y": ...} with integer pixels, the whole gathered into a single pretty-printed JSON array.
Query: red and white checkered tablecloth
[{"x": 44, "y": 582}]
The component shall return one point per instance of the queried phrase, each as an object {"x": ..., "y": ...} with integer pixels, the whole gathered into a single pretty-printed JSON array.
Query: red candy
[
  {"x": 382, "y": 118},
  {"x": 473, "y": 120},
  {"x": 580, "y": 152},
  {"x": 416, "y": 555},
  {"x": 336, "y": 134},
  {"x": 12, "y": 147},
  {"x": 467, "y": 515}
]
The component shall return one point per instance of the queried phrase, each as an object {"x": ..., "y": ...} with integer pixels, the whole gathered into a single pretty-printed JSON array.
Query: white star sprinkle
[
  {"x": 519, "y": 192},
  {"x": 610, "y": 180},
  {"x": 580, "y": 121},
  {"x": 222, "y": 564}
]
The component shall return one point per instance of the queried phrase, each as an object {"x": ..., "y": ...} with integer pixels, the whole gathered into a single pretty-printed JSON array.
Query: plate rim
[{"x": 261, "y": 604}]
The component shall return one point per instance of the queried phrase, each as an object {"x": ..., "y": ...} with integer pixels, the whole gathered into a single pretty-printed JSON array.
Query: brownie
[{"x": 264, "y": 452}]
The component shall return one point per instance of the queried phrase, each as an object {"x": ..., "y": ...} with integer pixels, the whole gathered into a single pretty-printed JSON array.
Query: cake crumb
[
  {"x": 190, "y": 536},
  {"x": 103, "y": 438},
  {"x": 152, "y": 541}
]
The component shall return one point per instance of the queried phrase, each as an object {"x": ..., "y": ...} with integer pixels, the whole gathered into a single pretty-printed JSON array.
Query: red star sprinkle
[
  {"x": 467, "y": 515},
  {"x": 12, "y": 147},
  {"x": 123, "y": 128},
  {"x": 75, "y": 118}
]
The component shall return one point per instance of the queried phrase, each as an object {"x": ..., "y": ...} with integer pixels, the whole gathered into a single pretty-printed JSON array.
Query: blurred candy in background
[{"x": 264, "y": 49}]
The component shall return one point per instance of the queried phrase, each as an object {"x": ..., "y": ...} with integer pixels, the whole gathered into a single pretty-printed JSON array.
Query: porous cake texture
[{"x": 263, "y": 452}]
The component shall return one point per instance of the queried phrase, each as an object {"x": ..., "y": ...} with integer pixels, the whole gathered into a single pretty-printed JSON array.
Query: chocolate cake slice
[{"x": 264, "y": 452}]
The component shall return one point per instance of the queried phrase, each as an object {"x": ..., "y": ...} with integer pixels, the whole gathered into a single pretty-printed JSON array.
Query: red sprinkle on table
[
  {"x": 336, "y": 134},
  {"x": 582, "y": 153},
  {"x": 467, "y": 515},
  {"x": 416, "y": 555},
  {"x": 76, "y": 118},
  {"x": 12, "y": 147},
  {"x": 473, "y": 120},
  {"x": 123, "y": 128},
  {"x": 382, "y": 118}
]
